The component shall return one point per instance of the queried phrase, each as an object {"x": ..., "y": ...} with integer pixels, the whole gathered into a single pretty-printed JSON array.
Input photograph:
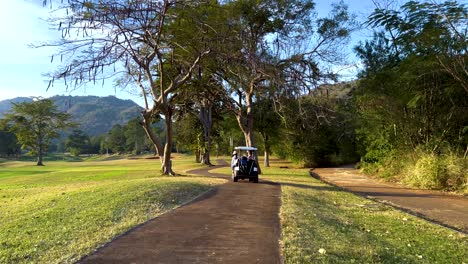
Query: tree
[
  {"x": 412, "y": 85},
  {"x": 36, "y": 123},
  {"x": 135, "y": 135},
  {"x": 138, "y": 40},
  {"x": 116, "y": 140},
  {"x": 273, "y": 42},
  {"x": 9, "y": 144},
  {"x": 411, "y": 101},
  {"x": 423, "y": 28},
  {"x": 268, "y": 124},
  {"x": 77, "y": 142},
  {"x": 317, "y": 128},
  {"x": 189, "y": 136},
  {"x": 202, "y": 98}
]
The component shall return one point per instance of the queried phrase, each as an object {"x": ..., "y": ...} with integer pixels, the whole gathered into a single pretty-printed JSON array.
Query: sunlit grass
[
  {"x": 323, "y": 224},
  {"x": 64, "y": 210}
]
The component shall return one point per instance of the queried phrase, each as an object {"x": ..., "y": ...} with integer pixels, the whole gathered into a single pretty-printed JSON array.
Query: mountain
[
  {"x": 95, "y": 115},
  {"x": 5, "y": 105}
]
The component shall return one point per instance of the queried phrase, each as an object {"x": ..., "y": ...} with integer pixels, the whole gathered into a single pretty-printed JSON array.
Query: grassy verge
[
  {"x": 322, "y": 224},
  {"x": 60, "y": 212}
]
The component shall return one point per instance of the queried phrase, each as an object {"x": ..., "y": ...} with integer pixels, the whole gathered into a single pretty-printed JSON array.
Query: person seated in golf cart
[{"x": 250, "y": 155}]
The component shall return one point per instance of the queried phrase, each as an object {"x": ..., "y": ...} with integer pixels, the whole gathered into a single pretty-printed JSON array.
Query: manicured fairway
[
  {"x": 323, "y": 224},
  {"x": 59, "y": 212}
]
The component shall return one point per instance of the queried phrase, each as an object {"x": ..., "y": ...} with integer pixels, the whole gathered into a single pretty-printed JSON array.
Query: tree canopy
[
  {"x": 411, "y": 100},
  {"x": 35, "y": 124}
]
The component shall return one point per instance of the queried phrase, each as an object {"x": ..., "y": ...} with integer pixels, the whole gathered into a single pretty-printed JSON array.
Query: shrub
[
  {"x": 441, "y": 172},
  {"x": 457, "y": 173},
  {"x": 422, "y": 169},
  {"x": 427, "y": 173}
]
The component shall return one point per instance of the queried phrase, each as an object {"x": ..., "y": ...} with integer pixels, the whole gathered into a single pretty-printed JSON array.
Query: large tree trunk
[
  {"x": 205, "y": 116},
  {"x": 248, "y": 137},
  {"x": 166, "y": 161},
  {"x": 266, "y": 161},
  {"x": 246, "y": 121},
  {"x": 39, "y": 149},
  {"x": 250, "y": 121},
  {"x": 197, "y": 156},
  {"x": 39, "y": 157},
  {"x": 205, "y": 157}
]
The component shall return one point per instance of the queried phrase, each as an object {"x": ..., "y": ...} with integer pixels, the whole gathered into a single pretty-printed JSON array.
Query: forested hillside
[{"x": 94, "y": 115}]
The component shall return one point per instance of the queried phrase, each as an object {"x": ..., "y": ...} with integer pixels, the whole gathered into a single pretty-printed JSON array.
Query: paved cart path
[
  {"x": 446, "y": 209},
  {"x": 234, "y": 223}
]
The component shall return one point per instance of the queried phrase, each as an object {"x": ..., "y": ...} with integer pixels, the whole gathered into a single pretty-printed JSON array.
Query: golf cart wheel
[
  {"x": 255, "y": 180},
  {"x": 235, "y": 179}
]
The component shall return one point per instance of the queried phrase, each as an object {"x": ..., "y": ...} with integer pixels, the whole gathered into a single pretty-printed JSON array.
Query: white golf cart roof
[{"x": 245, "y": 148}]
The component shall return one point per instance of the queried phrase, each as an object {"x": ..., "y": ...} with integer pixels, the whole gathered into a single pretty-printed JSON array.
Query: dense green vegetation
[
  {"x": 9, "y": 146},
  {"x": 411, "y": 100},
  {"x": 60, "y": 212},
  {"x": 324, "y": 224}
]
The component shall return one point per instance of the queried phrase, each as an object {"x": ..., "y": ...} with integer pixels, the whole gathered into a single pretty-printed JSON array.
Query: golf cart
[{"x": 244, "y": 166}]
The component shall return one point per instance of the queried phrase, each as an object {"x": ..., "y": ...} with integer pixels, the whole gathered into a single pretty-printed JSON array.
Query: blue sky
[{"x": 22, "y": 23}]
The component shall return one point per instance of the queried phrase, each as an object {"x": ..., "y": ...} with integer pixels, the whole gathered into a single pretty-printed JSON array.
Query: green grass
[
  {"x": 64, "y": 210},
  {"x": 352, "y": 229}
]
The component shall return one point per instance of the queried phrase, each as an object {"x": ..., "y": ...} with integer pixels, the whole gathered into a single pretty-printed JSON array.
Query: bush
[
  {"x": 422, "y": 169},
  {"x": 389, "y": 167},
  {"x": 457, "y": 173},
  {"x": 427, "y": 173},
  {"x": 444, "y": 172}
]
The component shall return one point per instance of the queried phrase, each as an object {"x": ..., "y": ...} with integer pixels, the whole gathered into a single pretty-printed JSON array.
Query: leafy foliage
[
  {"x": 412, "y": 98},
  {"x": 319, "y": 128},
  {"x": 35, "y": 124},
  {"x": 77, "y": 142},
  {"x": 8, "y": 144}
]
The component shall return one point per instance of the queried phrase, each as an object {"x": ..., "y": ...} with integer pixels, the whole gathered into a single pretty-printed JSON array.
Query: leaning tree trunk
[
  {"x": 249, "y": 121},
  {"x": 146, "y": 124},
  {"x": 246, "y": 126},
  {"x": 166, "y": 161}
]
